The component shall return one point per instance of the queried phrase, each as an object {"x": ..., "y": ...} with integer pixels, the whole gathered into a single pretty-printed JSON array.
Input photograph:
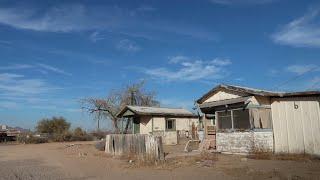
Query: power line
[{"x": 295, "y": 77}]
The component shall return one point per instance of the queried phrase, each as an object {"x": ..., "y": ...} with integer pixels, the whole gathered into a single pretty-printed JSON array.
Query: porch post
[{"x": 232, "y": 124}]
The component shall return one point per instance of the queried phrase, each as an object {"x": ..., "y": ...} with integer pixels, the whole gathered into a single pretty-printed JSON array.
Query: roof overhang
[
  {"x": 129, "y": 112},
  {"x": 225, "y": 104},
  {"x": 255, "y": 92}
]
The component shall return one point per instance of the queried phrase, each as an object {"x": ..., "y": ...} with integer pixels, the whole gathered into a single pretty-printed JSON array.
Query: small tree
[
  {"x": 108, "y": 108},
  {"x": 79, "y": 132},
  {"x": 55, "y": 125}
]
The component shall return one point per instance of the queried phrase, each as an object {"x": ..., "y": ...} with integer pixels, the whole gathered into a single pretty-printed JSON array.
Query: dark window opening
[
  {"x": 170, "y": 124},
  {"x": 241, "y": 119}
]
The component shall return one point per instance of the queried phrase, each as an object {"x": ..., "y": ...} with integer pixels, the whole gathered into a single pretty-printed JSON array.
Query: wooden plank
[{"x": 147, "y": 147}]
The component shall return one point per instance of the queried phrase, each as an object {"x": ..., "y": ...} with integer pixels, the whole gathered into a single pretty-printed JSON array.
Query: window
[
  {"x": 234, "y": 119},
  {"x": 170, "y": 124},
  {"x": 224, "y": 120},
  {"x": 241, "y": 119}
]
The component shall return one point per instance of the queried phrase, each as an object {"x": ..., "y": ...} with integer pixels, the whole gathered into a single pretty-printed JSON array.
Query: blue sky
[{"x": 54, "y": 53}]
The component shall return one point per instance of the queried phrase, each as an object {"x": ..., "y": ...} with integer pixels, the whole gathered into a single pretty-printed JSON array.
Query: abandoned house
[
  {"x": 170, "y": 123},
  {"x": 243, "y": 120}
]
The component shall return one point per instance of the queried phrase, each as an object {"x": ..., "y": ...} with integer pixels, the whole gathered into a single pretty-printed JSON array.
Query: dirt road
[{"x": 82, "y": 161}]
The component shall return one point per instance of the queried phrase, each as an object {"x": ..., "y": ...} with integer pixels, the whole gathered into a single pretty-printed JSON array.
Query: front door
[{"x": 136, "y": 125}]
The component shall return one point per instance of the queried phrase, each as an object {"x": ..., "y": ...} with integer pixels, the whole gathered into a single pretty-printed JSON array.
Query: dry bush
[{"x": 30, "y": 139}]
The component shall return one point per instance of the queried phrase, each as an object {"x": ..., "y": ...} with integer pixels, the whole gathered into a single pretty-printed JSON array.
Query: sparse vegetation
[
  {"x": 31, "y": 139},
  {"x": 55, "y": 129},
  {"x": 108, "y": 108},
  {"x": 55, "y": 125}
]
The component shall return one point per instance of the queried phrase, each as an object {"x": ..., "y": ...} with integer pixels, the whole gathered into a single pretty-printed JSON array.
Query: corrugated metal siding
[{"x": 296, "y": 130}]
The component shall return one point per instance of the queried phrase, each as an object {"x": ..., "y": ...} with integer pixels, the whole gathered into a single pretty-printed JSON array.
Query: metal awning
[{"x": 225, "y": 102}]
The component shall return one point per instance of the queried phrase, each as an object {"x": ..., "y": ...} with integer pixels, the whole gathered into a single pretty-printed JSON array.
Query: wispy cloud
[
  {"x": 16, "y": 67},
  {"x": 128, "y": 46},
  {"x": 44, "y": 68},
  {"x": 301, "y": 69},
  {"x": 53, "y": 69},
  {"x": 301, "y": 32},
  {"x": 96, "y": 36},
  {"x": 75, "y": 17},
  {"x": 232, "y": 2},
  {"x": 191, "y": 70},
  {"x": 177, "y": 59},
  {"x": 19, "y": 85}
]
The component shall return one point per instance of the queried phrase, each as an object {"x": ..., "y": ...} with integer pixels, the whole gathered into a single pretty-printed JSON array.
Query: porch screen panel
[
  {"x": 224, "y": 120},
  {"x": 241, "y": 119}
]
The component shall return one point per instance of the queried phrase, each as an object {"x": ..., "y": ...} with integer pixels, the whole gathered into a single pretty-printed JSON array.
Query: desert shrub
[
  {"x": 55, "y": 125},
  {"x": 81, "y": 135},
  {"x": 61, "y": 137},
  {"x": 100, "y": 145},
  {"x": 31, "y": 139}
]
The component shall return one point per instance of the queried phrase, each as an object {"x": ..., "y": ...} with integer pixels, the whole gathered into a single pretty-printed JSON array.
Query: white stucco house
[{"x": 170, "y": 123}]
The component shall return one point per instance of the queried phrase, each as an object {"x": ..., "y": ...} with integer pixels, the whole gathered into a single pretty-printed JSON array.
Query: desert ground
[{"x": 80, "y": 160}]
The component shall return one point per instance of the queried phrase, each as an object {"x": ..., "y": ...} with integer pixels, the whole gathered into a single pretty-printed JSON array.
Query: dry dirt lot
[{"x": 82, "y": 161}]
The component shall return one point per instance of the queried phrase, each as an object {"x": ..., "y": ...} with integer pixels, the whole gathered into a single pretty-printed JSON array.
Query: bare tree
[{"x": 108, "y": 108}]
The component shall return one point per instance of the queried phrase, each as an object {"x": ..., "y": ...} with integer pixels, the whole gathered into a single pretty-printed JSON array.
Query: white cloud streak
[
  {"x": 53, "y": 69},
  {"x": 191, "y": 70},
  {"x": 128, "y": 46},
  {"x": 301, "y": 69},
  {"x": 301, "y": 32},
  {"x": 68, "y": 17},
  {"x": 19, "y": 85},
  {"x": 44, "y": 68}
]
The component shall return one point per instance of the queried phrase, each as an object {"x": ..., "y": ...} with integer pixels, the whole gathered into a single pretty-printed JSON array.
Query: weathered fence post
[{"x": 147, "y": 147}]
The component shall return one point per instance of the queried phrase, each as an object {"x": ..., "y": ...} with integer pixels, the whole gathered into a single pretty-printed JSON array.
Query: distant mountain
[{"x": 22, "y": 130}]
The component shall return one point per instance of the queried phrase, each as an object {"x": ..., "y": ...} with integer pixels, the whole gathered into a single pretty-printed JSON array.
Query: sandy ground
[{"x": 82, "y": 161}]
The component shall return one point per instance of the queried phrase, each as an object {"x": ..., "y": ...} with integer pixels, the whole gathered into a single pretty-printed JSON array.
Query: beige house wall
[
  {"x": 223, "y": 95},
  {"x": 296, "y": 125},
  {"x": 159, "y": 124}
]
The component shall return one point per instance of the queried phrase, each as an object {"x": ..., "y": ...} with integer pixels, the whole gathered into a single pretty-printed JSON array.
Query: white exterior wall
[
  {"x": 159, "y": 127},
  {"x": 244, "y": 142},
  {"x": 296, "y": 124},
  {"x": 145, "y": 125}
]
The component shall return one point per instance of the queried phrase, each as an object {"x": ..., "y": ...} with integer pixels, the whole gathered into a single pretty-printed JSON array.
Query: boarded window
[
  {"x": 224, "y": 120},
  {"x": 170, "y": 124},
  {"x": 241, "y": 119},
  {"x": 261, "y": 118}
]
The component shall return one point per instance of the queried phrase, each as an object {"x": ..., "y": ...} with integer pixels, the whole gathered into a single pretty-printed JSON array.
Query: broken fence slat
[{"x": 148, "y": 147}]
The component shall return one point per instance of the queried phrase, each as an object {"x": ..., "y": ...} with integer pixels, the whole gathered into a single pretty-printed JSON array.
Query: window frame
[
  {"x": 232, "y": 119},
  {"x": 173, "y": 124}
]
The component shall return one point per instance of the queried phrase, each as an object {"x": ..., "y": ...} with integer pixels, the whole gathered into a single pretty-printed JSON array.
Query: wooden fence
[{"x": 146, "y": 147}]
